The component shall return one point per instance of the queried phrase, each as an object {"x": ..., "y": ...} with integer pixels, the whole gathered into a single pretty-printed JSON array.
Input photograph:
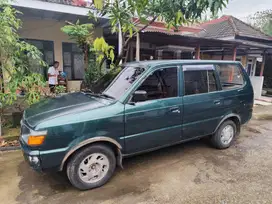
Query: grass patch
[{"x": 11, "y": 133}]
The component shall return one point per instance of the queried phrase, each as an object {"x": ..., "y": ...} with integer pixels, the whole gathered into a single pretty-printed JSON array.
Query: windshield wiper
[
  {"x": 98, "y": 95},
  {"x": 106, "y": 96}
]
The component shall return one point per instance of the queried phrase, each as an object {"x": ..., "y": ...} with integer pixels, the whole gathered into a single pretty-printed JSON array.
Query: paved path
[{"x": 188, "y": 173}]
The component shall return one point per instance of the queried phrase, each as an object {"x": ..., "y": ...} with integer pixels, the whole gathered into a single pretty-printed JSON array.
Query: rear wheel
[
  {"x": 224, "y": 135},
  {"x": 91, "y": 167}
]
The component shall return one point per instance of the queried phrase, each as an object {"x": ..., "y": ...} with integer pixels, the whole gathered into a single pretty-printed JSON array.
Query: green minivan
[{"x": 149, "y": 105}]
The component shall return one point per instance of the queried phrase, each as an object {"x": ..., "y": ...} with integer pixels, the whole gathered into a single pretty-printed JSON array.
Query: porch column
[
  {"x": 159, "y": 54},
  {"x": 233, "y": 59},
  {"x": 120, "y": 40},
  {"x": 138, "y": 47},
  {"x": 131, "y": 51},
  {"x": 197, "y": 52},
  {"x": 178, "y": 54},
  {"x": 246, "y": 59},
  {"x": 263, "y": 64},
  {"x": 234, "y": 54},
  {"x": 223, "y": 55}
]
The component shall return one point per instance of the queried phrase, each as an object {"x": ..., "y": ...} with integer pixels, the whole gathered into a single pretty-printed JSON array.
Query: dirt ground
[{"x": 187, "y": 173}]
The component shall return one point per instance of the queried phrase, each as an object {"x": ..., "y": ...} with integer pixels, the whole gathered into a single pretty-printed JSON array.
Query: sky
[{"x": 243, "y": 8}]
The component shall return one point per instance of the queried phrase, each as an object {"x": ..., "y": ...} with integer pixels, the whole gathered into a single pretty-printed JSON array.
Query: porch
[
  {"x": 42, "y": 23},
  {"x": 159, "y": 44}
]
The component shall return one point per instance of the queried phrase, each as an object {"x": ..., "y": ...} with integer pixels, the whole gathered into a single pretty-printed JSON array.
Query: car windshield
[{"x": 123, "y": 81}]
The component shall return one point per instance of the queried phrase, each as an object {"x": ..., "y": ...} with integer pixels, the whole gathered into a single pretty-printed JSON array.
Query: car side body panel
[
  {"x": 71, "y": 131},
  {"x": 137, "y": 128}
]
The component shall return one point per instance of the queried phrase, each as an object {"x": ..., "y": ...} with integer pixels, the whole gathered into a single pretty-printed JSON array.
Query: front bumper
[
  {"x": 32, "y": 157},
  {"x": 39, "y": 159}
]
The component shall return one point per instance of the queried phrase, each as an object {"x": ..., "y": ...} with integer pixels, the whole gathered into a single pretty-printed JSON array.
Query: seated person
[{"x": 62, "y": 78}]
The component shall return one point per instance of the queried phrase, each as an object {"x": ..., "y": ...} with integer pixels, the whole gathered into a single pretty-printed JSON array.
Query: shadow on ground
[{"x": 36, "y": 187}]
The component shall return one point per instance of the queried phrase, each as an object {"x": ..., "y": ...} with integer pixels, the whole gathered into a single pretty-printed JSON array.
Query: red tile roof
[
  {"x": 161, "y": 27},
  {"x": 229, "y": 26}
]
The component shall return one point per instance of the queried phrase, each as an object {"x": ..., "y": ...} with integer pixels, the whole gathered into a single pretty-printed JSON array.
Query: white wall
[
  {"x": 257, "y": 83},
  {"x": 46, "y": 30}
]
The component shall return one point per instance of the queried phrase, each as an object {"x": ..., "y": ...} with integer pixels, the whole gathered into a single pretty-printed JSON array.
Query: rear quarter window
[{"x": 230, "y": 76}]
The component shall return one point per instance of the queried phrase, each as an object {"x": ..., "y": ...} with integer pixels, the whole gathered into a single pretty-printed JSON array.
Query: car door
[
  {"x": 202, "y": 100},
  {"x": 156, "y": 121}
]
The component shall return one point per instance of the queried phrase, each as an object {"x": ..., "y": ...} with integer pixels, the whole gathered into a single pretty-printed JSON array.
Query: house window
[
  {"x": 73, "y": 61},
  {"x": 47, "y": 49}
]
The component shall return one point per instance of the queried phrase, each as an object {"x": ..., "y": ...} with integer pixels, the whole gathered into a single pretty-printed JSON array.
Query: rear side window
[
  {"x": 230, "y": 76},
  {"x": 199, "y": 81}
]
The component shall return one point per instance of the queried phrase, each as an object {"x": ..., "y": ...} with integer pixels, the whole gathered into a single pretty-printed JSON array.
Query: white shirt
[{"x": 53, "y": 80}]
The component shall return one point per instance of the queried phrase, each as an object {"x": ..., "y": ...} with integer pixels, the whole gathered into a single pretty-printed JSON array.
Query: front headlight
[{"x": 35, "y": 138}]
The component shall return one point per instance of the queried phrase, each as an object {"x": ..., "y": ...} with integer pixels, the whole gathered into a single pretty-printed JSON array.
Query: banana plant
[{"x": 174, "y": 13}]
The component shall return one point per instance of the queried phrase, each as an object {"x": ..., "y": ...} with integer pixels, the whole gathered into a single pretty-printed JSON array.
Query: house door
[
  {"x": 251, "y": 66},
  {"x": 73, "y": 61}
]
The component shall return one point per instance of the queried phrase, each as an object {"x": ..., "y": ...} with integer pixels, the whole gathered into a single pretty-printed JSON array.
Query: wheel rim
[
  {"x": 93, "y": 168},
  {"x": 227, "y": 134}
]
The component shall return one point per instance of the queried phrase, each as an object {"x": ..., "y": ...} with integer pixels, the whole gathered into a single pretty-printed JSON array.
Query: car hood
[{"x": 59, "y": 106}]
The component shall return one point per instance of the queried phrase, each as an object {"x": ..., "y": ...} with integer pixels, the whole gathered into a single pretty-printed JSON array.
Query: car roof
[{"x": 152, "y": 63}]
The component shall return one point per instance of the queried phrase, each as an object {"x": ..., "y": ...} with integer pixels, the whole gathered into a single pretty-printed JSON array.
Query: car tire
[
  {"x": 224, "y": 135},
  {"x": 95, "y": 159}
]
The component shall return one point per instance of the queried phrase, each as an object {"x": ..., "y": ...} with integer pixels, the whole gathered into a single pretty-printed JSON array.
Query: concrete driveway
[{"x": 188, "y": 173}]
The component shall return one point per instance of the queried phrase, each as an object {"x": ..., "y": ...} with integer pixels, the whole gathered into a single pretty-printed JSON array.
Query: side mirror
[{"x": 139, "y": 96}]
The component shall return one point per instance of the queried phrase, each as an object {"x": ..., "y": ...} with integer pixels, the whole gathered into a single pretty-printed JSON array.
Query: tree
[
  {"x": 82, "y": 34},
  {"x": 174, "y": 13},
  {"x": 14, "y": 57},
  {"x": 263, "y": 21}
]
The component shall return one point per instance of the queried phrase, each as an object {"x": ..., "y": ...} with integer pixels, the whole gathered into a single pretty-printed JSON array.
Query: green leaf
[
  {"x": 112, "y": 55},
  {"x": 178, "y": 17},
  {"x": 98, "y": 4},
  {"x": 144, "y": 20}
]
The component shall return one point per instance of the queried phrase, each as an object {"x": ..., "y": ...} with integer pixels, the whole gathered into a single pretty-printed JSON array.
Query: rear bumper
[{"x": 247, "y": 116}]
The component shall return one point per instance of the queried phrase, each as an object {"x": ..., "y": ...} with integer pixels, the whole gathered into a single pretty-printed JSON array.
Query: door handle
[
  {"x": 217, "y": 102},
  {"x": 175, "y": 110}
]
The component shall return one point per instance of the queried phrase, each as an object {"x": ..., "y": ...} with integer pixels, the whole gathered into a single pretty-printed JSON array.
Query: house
[
  {"x": 226, "y": 38},
  {"x": 253, "y": 57},
  {"x": 42, "y": 23},
  {"x": 231, "y": 28}
]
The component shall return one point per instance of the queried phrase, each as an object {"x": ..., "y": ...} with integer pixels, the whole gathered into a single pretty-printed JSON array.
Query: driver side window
[{"x": 162, "y": 83}]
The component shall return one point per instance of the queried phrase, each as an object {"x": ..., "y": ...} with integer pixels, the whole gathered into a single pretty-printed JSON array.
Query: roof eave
[{"x": 253, "y": 37}]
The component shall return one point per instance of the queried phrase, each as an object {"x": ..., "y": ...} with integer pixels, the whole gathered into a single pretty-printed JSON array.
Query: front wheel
[
  {"x": 91, "y": 167},
  {"x": 225, "y": 134}
]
